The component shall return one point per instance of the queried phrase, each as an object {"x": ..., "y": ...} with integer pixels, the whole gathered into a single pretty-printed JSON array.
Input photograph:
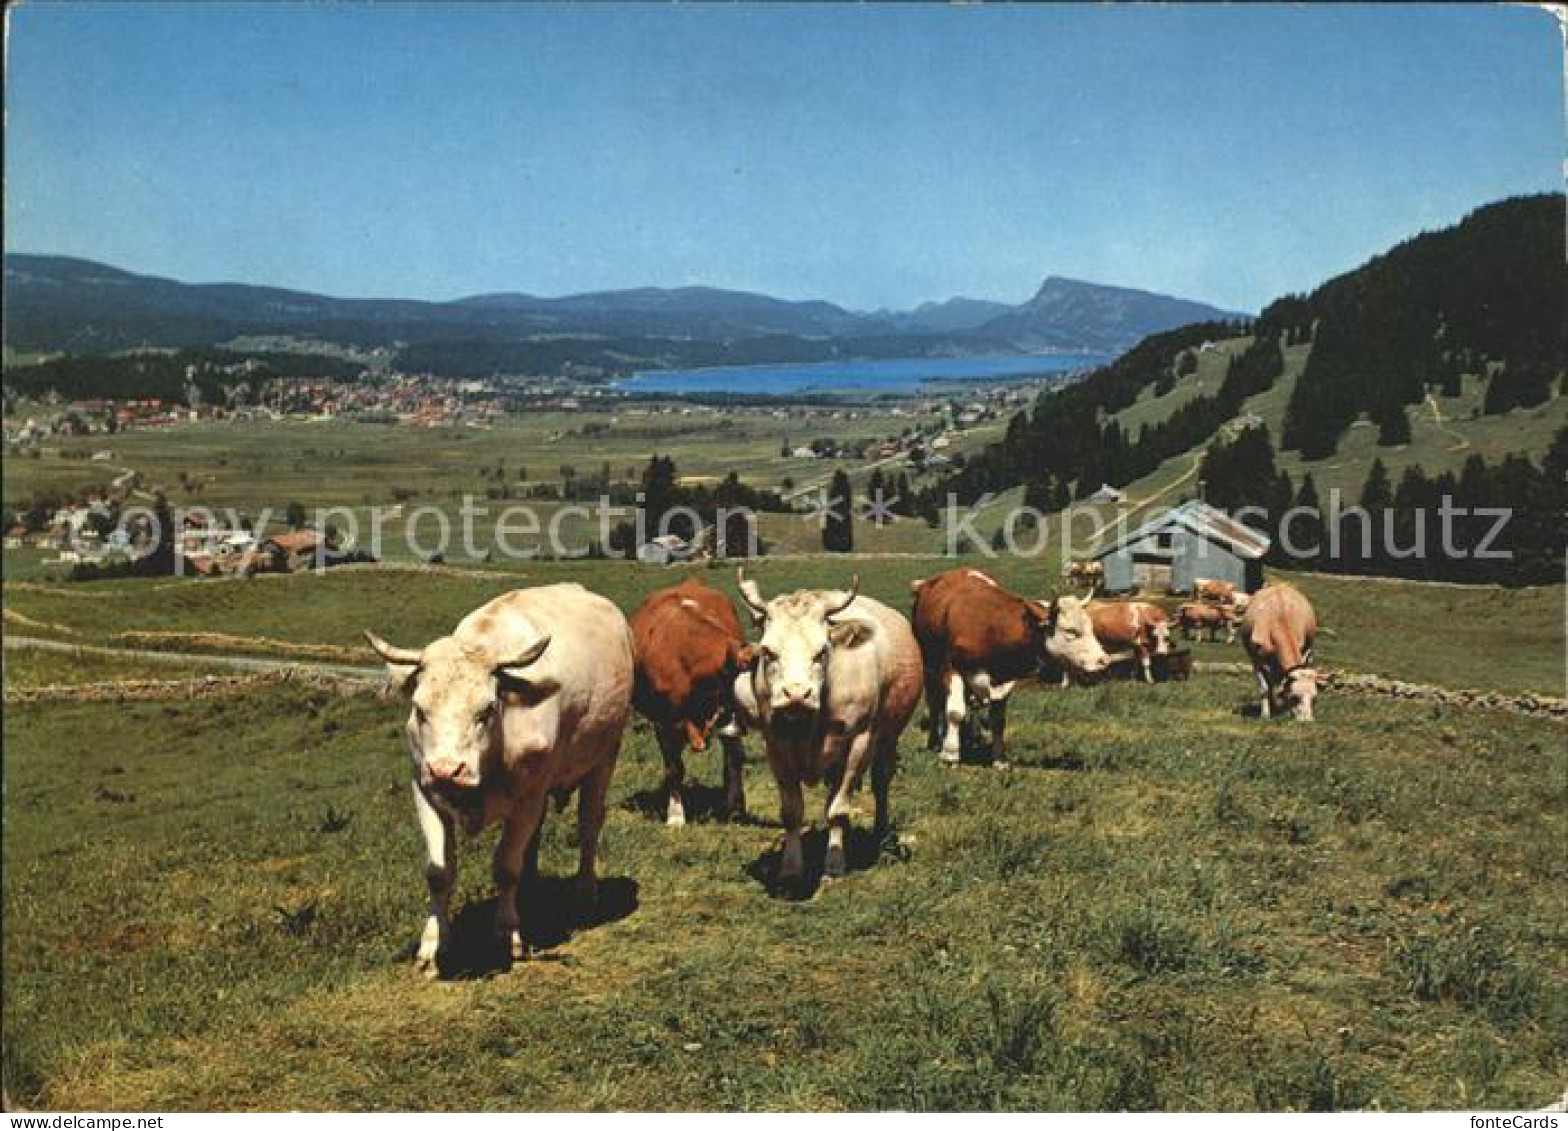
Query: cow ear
[
  {"x": 403, "y": 664},
  {"x": 742, "y": 656},
  {"x": 849, "y": 633}
]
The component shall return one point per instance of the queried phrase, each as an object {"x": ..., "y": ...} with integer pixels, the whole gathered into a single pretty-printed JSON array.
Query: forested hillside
[{"x": 1469, "y": 319}]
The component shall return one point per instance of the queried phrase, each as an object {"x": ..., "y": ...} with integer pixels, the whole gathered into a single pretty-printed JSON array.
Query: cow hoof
[
  {"x": 1001, "y": 764},
  {"x": 948, "y": 759},
  {"x": 511, "y": 944},
  {"x": 834, "y": 864},
  {"x": 426, "y": 964},
  {"x": 675, "y": 821}
]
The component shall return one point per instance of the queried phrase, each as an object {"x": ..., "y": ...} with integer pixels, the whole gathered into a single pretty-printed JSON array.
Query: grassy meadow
[{"x": 1165, "y": 903}]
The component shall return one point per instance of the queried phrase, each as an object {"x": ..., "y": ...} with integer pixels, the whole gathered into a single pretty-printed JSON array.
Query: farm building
[{"x": 1173, "y": 549}]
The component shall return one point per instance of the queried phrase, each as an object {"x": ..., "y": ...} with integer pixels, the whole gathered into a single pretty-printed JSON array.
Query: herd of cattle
[{"x": 528, "y": 697}]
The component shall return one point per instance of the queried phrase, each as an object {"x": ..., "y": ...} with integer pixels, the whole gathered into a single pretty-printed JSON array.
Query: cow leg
[
  {"x": 957, "y": 708},
  {"x": 590, "y": 819},
  {"x": 530, "y": 878},
  {"x": 672, "y": 744},
  {"x": 999, "y": 697},
  {"x": 882, "y": 767},
  {"x": 521, "y": 827},
  {"x": 792, "y": 814},
  {"x": 1267, "y": 699},
  {"x": 836, "y": 862},
  {"x": 440, "y": 878},
  {"x": 1146, "y": 665},
  {"x": 936, "y": 705},
  {"x": 734, "y": 776}
]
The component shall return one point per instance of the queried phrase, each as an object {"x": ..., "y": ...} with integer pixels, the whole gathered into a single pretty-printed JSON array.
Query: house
[
  {"x": 295, "y": 550},
  {"x": 664, "y": 549},
  {"x": 1171, "y": 551}
]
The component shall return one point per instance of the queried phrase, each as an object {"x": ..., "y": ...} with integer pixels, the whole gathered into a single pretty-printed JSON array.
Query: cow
[
  {"x": 690, "y": 647},
  {"x": 1217, "y": 592},
  {"x": 835, "y": 679},
  {"x": 979, "y": 640},
  {"x": 1197, "y": 617},
  {"x": 527, "y": 697},
  {"x": 1278, "y": 632},
  {"x": 1139, "y": 626}
]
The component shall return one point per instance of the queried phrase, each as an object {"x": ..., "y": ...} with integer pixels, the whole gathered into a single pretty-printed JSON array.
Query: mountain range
[{"x": 57, "y": 303}]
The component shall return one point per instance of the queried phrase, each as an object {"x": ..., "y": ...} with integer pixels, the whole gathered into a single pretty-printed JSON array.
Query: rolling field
[
  {"x": 1165, "y": 903},
  {"x": 256, "y": 467}
]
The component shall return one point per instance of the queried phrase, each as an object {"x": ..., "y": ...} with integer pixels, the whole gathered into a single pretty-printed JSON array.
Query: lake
[{"x": 886, "y": 375}]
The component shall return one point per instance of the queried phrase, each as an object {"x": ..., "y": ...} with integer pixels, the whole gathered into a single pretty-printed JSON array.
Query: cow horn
[
  {"x": 751, "y": 595},
  {"x": 527, "y": 656},
  {"x": 853, "y": 592},
  {"x": 393, "y": 655}
]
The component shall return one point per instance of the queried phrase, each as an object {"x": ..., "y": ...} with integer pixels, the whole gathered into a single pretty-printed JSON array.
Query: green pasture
[{"x": 1165, "y": 903}]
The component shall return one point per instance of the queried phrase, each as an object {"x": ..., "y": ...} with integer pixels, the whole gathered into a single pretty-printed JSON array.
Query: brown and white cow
[
  {"x": 1137, "y": 626},
  {"x": 1278, "y": 632},
  {"x": 527, "y": 697},
  {"x": 690, "y": 647},
  {"x": 835, "y": 679},
  {"x": 978, "y": 640},
  {"x": 1198, "y": 618}
]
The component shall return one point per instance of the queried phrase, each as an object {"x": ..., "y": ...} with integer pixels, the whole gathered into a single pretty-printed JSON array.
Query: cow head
[
  {"x": 1160, "y": 634},
  {"x": 455, "y": 692},
  {"x": 1069, "y": 637},
  {"x": 1297, "y": 691},
  {"x": 799, "y": 633}
]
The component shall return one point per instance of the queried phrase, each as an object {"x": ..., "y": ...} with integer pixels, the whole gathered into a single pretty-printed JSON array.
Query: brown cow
[
  {"x": 1196, "y": 617},
  {"x": 1142, "y": 627},
  {"x": 978, "y": 640},
  {"x": 1218, "y": 592},
  {"x": 1278, "y": 632},
  {"x": 689, "y": 649}
]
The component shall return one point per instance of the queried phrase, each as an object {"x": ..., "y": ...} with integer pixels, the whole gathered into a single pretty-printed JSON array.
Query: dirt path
[
  {"x": 253, "y": 664},
  {"x": 1442, "y": 425}
]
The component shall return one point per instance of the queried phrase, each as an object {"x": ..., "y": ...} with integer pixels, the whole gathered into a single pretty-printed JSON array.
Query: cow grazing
[
  {"x": 1136, "y": 626},
  {"x": 978, "y": 640},
  {"x": 1198, "y": 618},
  {"x": 690, "y": 648},
  {"x": 835, "y": 679},
  {"x": 1278, "y": 632},
  {"x": 527, "y": 697}
]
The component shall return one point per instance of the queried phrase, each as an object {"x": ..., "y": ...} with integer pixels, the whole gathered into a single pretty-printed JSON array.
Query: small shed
[
  {"x": 664, "y": 550},
  {"x": 1171, "y": 551}
]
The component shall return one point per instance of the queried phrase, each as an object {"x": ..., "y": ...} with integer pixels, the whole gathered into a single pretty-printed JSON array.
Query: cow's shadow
[
  {"x": 704, "y": 804},
  {"x": 550, "y": 917},
  {"x": 863, "y": 848}
]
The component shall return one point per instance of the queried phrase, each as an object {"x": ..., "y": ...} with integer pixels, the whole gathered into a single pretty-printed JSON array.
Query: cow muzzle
[{"x": 451, "y": 773}]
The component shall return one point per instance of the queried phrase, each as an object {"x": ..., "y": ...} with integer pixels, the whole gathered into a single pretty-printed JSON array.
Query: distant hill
[
  {"x": 1450, "y": 351},
  {"x": 1071, "y": 314},
  {"x": 955, "y": 315},
  {"x": 61, "y": 304}
]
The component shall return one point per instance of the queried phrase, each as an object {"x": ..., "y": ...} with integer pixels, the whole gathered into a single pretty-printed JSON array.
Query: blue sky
[{"x": 873, "y": 156}]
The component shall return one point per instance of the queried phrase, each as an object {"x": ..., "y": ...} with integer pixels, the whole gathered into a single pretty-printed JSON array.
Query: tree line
[{"x": 1506, "y": 522}]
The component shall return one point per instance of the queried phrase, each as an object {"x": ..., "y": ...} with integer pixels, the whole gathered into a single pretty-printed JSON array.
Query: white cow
[
  {"x": 835, "y": 679},
  {"x": 527, "y": 697}
]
